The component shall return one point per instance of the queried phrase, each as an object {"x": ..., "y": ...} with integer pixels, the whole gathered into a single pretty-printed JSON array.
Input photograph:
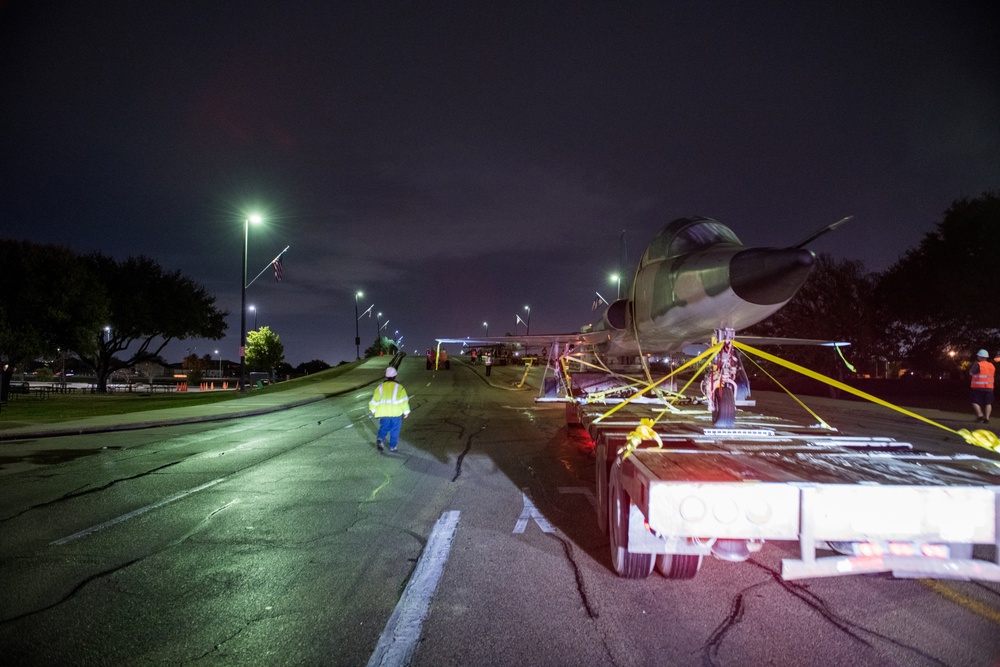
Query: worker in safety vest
[
  {"x": 982, "y": 373},
  {"x": 390, "y": 405}
]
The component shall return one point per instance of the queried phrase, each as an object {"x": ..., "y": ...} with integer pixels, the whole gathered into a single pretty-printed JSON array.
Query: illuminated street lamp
[
  {"x": 616, "y": 278},
  {"x": 378, "y": 332},
  {"x": 527, "y": 324},
  {"x": 357, "y": 334},
  {"x": 254, "y": 309},
  {"x": 243, "y": 303},
  {"x": 220, "y": 364},
  {"x": 487, "y": 325}
]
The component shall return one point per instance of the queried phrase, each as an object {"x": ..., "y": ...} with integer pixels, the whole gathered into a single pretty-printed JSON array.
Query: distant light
[{"x": 254, "y": 218}]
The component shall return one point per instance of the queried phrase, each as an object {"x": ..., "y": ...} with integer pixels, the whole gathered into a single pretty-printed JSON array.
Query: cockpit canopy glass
[{"x": 687, "y": 235}]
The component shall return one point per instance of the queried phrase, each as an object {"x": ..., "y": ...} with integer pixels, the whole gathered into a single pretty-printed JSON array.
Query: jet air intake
[
  {"x": 769, "y": 276},
  {"x": 616, "y": 316}
]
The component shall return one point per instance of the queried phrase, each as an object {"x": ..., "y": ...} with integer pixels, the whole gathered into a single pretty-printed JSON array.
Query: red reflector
[
  {"x": 901, "y": 549},
  {"x": 934, "y": 550},
  {"x": 870, "y": 549}
]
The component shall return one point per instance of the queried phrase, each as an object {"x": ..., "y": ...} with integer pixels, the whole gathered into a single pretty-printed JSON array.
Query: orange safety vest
[{"x": 984, "y": 378}]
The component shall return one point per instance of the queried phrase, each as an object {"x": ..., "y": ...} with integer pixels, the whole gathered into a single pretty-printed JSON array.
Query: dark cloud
[{"x": 459, "y": 160}]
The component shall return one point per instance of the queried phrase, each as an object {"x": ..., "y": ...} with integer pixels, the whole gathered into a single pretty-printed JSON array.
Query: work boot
[{"x": 378, "y": 445}]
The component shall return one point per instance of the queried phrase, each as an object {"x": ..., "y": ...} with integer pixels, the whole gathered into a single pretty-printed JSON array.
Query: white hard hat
[
  {"x": 983, "y": 354},
  {"x": 390, "y": 372}
]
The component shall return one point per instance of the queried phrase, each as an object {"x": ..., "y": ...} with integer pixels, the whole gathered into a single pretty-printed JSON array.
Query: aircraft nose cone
[{"x": 768, "y": 276}]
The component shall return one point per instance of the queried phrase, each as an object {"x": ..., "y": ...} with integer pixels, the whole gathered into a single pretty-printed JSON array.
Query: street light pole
[
  {"x": 243, "y": 304},
  {"x": 220, "y": 364},
  {"x": 487, "y": 325},
  {"x": 357, "y": 334},
  {"x": 254, "y": 309},
  {"x": 527, "y": 325},
  {"x": 616, "y": 278},
  {"x": 378, "y": 332}
]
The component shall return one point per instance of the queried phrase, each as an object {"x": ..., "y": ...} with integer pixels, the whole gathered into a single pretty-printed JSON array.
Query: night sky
[{"x": 458, "y": 161}]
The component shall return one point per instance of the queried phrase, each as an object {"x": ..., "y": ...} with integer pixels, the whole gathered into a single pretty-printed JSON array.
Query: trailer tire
[
  {"x": 724, "y": 407},
  {"x": 626, "y": 564},
  {"x": 601, "y": 482},
  {"x": 678, "y": 566}
]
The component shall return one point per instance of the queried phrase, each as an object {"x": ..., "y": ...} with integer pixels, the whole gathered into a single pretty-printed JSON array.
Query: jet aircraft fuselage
[{"x": 695, "y": 278}]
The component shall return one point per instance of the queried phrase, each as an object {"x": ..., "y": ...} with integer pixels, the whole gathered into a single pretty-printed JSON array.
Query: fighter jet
[{"x": 696, "y": 282}]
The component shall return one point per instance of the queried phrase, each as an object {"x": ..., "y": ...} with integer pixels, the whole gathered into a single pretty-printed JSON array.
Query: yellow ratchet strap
[
  {"x": 643, "y": 432},
  {"x": 707, "y": 353},
  {"x": 819, "y": 420},
  {"x": 979, "y": 438}
]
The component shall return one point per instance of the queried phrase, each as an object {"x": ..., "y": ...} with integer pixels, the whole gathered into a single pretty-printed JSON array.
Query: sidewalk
[{"x": 364, "y": 374}]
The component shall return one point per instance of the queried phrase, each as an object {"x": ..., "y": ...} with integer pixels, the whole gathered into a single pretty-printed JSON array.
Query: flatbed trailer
[{"x": 873, "y": 503}]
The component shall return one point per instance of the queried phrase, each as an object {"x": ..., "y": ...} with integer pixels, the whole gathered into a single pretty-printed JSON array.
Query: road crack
[
  {"x": 461, "y": 457},
  {"x": 849, "y": 628},
  {"x": 103, "y": 574},
  {"x": 97, "y": 489}
]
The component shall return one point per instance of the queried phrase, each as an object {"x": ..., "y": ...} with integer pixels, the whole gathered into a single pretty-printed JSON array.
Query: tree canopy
[
  {"x": 265, "y": 352},
  {"x": 943, "y": 289},
  {"x": 96, "y": 307}
]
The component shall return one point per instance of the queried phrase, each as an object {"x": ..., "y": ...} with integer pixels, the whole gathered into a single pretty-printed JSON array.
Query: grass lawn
[{"x": 28, "y": 409}]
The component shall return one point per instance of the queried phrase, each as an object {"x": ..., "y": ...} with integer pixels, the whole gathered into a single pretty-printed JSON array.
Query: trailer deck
[{"x": 882, "y": 504}]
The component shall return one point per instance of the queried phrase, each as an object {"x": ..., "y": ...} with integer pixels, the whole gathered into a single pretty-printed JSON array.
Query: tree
[
  {"x": 264, "y": 350},
  {"x": 49, "y": 301},
  {"x": 943, "y": 289},
  {"x": 380, "y": 346},
  {"x": 146, "y": 309},
  {"x": 196, "y": 367},
  {"x": 839, "y": 302}
]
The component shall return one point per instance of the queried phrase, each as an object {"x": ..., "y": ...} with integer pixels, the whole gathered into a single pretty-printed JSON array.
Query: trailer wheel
[
  {"x": 724, "y": 407},
  {"x": 678, "y": 566},
  {"x": 601, "y": 482},
  {"x": 628, "y": 565}
]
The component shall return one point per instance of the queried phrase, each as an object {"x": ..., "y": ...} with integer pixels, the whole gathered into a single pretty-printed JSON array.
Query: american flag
[{"x": 277, "y": 268}]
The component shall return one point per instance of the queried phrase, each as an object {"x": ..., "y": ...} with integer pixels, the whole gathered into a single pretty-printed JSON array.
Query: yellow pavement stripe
[{"x": 963, "y": 601}]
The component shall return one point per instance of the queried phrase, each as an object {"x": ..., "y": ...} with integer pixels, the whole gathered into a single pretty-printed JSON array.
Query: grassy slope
[{"x": 25, "y": 410}]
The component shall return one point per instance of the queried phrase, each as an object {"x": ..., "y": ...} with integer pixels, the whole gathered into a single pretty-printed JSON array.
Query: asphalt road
[{"x": 287, "y": 539}]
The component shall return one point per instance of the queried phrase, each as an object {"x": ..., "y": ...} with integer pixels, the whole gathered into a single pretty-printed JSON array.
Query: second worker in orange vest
[{"x": 982, "y": 373}]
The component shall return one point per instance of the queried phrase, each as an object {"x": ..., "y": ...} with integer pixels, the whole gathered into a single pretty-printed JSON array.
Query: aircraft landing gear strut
[{"x": 721, "y": 382}]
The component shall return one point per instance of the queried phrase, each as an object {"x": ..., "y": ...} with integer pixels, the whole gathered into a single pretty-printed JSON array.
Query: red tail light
[{"x": 934, "y": 550}]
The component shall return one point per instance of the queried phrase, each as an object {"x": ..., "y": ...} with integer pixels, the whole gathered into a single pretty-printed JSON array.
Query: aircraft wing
[
  {"x": 758, "y": 341},
  {"x": 535, "y": 340}
]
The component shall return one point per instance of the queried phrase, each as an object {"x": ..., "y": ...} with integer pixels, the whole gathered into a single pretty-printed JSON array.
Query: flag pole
[{"x": 269, "y": 265}]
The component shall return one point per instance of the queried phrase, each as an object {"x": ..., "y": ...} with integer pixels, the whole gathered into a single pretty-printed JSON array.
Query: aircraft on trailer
[{"x": 696, "y": 283}]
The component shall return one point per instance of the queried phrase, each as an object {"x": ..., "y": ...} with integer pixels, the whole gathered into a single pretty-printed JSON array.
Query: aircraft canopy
[{"x": 687, "y": 235}]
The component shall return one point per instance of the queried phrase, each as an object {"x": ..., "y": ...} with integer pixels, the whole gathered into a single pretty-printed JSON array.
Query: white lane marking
[
  {"x": 583, "y": 491},
  {"x": 531, "y": 513},
  {"x": 134, "y": 513},
  {"x": 402, "y": 632}
]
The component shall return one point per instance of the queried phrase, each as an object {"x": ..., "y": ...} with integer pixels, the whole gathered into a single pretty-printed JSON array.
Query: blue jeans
[{"x": 388, "y": 430}]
